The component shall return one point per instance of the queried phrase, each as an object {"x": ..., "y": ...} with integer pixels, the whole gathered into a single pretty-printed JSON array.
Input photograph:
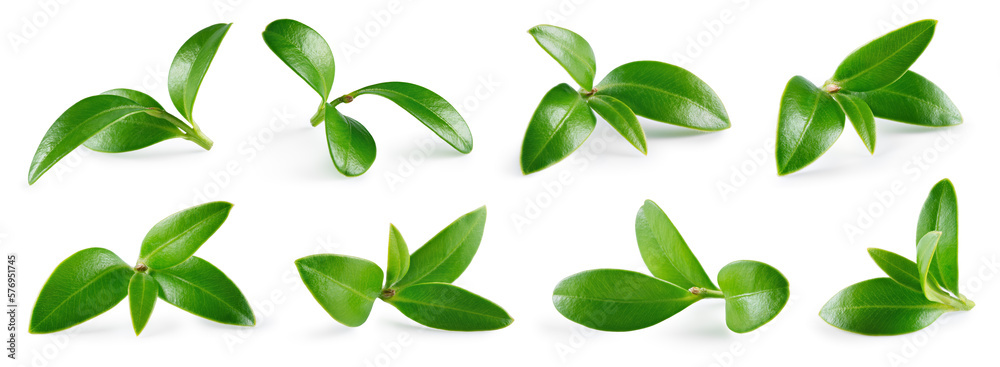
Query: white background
[{"x": 291, "y": 202}]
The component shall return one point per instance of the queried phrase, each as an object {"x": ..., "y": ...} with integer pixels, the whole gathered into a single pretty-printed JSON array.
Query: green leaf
[
  {"x": 900, "y": 269},
  {"x": 861, "y": 117},
  {"x": 135, "y": 131},
  {"x": 305, "y": 51},
  {"x": 570, "y": 50},
  {"x": 445, "y": 256},
  {"x": 755, "y": 293},
  {"x": 880, "y": 306},
  {"x": 882, "y": 61},
  {"x": 345, "y": 286},
  {"x": 808, "y": 124},
  {"x": 198, "y": 287},
  {"x": 940, "y": 213},
  {"x": 428, "y": 107},
  {"x": 175, "y": 238},
  {"x": 352, "y": 147},
  {"x": 445, "y": 306},
  {"x": 925, "y": 256},
  {"x": 561, "y": 123},
  {"x": 913, "y": 100},
  {"x": 664, "y": 251},
  {"x": 142, "y": 292},
  {"x": 666, "y": 93},
  {"x": 190, "y": 65},
  {"x": 618, "y": 300},
  {"x": 79, "y": 123},
  {"x": 399, "y": 257},
  {"x": 85, "y": 285},
  {"x": 620, "y": 117}
]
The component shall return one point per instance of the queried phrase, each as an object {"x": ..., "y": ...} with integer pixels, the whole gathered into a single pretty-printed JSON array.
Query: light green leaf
[
  {"x": 428, "y": 107},
  {"x": 85, "y": 285},
  {"x": 664, "y": 251},
  {"x": 620, "y": 117},
  {"x": 902, "y": 270},
  {"x": 881, "y": 306},
  {"x": 560, "y": 124},
  {"x": 618, "y": 300},
  {"x": 198, "y": 287},
  {"x": 142, "y": 293},
  {"x": 445, "y": 256},
  {"x": 304, "y": 51},
  {"x": 882, "y": 61},
  {"x": 940, "y": 213},
  {"x": 345, "y": 286},
  {"x": 755, "y": 293},
  {"x": 861, "y": 117},
  {"x": 570, "y": 50},
  {"x": 190, "y": 65},
  {"x": 445, "y": 306},
  {"x": 926, "y": 248},
  {"x": 175, "y": 238},
  {"x": 399, "y": 258},
  {"x": 135, "y": 131},
  {"x": 352, "y": 147},
  {"x": 809, "y": 123},
  {"x": 913, "y": 100}
]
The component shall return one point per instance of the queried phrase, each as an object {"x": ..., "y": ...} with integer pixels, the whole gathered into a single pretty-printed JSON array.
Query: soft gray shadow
[
  {"x": 153, "y": 153},
  {"x": 899, "y": 128},
  {"x": 665, "y": 131}
]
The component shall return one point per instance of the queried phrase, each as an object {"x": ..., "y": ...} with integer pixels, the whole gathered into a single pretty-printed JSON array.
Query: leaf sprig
[
  {"x": 622, "y": 300},
  {"x": 352, "y": 147},
  {"x": 651, "y": 89},
  {"x": 915, "y": 293},
  {"x": 122, "y": 120},
  {"x": 418, "y": 284},
  {"x": 94, "y": 280},
  {"x": 873, "y": 81}
]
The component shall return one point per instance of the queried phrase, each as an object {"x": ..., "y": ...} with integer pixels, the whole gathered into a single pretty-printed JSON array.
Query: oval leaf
[
  {"x": 399, "y": 257},
  {"x": 755, "y": 293},
  {"x": 570, "y": 50},
  {"x": 861, "y": 117},
  {"x": 618, "y": 300},
  {"x": 940, "y": 213},
  {"x": 352, "y": 147},
  {"x": 190, "y": 65},
  {"x": 85, "y": 285},
  {"x": 880, "y": 306},
  {"x": 428, "y": 107},
  {"x": 79, "y": 123},
  {"x": 198, "y": 287},
  {"x": 925, "y": 256},
  {"x": 445, "y": 306},
  {"x": 142, "y": 293},
  {"x": 136, "y": 131},
  {"x": 898, "y": 268},
  {"x": 882, "y": 61},
  {"x": 620, "y": 117},
  {"x": 305, "y": 51},
  {"x": 666, "y": 93},
  {"x": 345, "y": 286},
  {"x": 808, "y": 124},
  {"x": 175, "y": 238},
  {"x": 561, "y": 123},
  {"x": 445, "y": 256},
  {"x": 664, "y": 251},
  {"x": 913, "y": 100}
]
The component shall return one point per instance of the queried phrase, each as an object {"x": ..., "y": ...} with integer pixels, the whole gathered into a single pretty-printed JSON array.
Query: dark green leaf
[
  {"x": 940, "y": 213},
  {"x": 142, "y": 292},
  {"x": 755, "y": 292},
  {"x": 445, "y": 256},
  {"x": 303, "y": 50},
  {"x": 198, "y": 287},
  {"x": 861, "y": 117},
  {"x": 570, "y": 50},
  {"x": 914, "y": 100},
  {"x": 79, "y": 123},
  {"x": 882, "y": 61},
  {"x": 175, "y": 238},
  {"x": 445, "y": 306},
  {"x": 352, "y": 147},
  {"x": 561, "y": 123},
  {"x": 880, "y": 306},
  {"x": 428, "y": 107},
  {"x": 190, "y": 65},
  {"x": 85, "y": 285},
  {"x": 136, "y": 131},
  {"x": 898, "y": 268},
  {"x": 663, "y": 249},
  {"x": 666, "y": 93},
  {"x": 618, "y": 300},
  {"x": 399, "y": 257},
  {"x": 620, "y": 117},
  {"x": 808, "y": 124},
  {"x": 345, "y": 286}
]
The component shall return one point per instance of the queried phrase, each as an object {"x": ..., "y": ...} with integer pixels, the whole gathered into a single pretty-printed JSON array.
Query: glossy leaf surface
[
  {"x": 809, "y": 122},
  {"x": 666, "y": 93},
  {"x": 898, "y": 268},
  {"x": 85, "y": 285},
  {"x": 881, "y": 306},
  {"x": 940, "y": 213},
  {"x": 861, "y": 117},
  {"x": 399, "y": 257},
  {"x": 175, "y": 238},
  {"x": 304, "y": 51},
  {"x": 445, "y": 306},
  {"x": 664, "y": 251},
  {"x": 135, "y": 131},
  {"x": 352, "y": 147},
  {"x": 618, "y": 300},
  {"x": 198, "y": 287},
  {"x": 345, "y": 286},
  {"x": 142, "y": 293},
  {"x": 620, "y": 117},
  {"x": 926, "y": 248},
  {"x": 446, "y": 255},
  {"x": 882, "y": 61},
  {"x": 913, "y": 100},
  {"x": 755, "y": 293},
  {"x": 570, "y": 50},
  {"x": 428, "y": 107},
  {"x": 188, "y": 69},
  {"x": 560, "y": 124}
]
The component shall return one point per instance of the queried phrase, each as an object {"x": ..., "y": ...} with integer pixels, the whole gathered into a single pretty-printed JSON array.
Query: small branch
[{"x": 706, "y": 293}]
